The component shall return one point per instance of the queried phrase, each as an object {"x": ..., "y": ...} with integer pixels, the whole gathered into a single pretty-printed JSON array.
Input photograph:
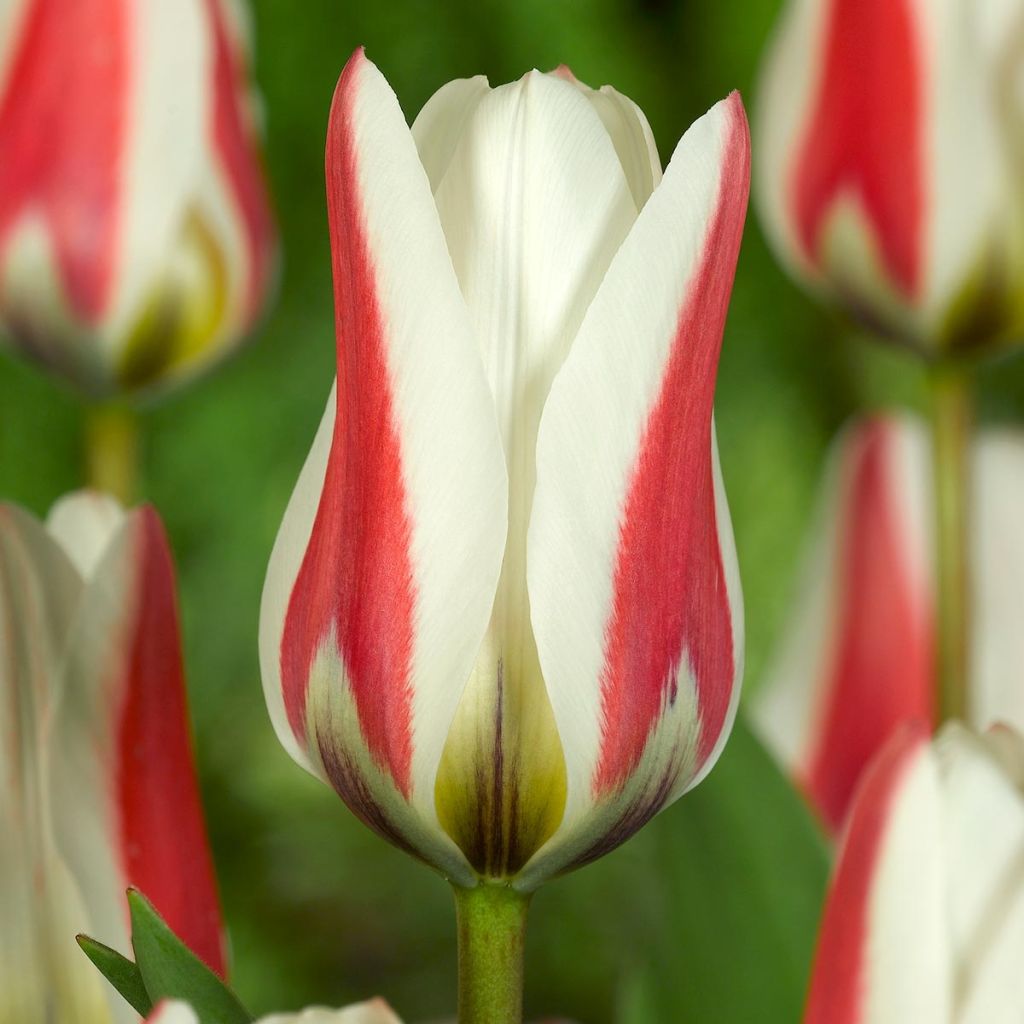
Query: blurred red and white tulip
[
  {"x": 857, "y": 654},
  {"x": 890, "y": 136},
  {"x": 375, "y": 1011},
  {"x": 97, "y": 786},
  {"x": 136, "y": 242},
  {"x": 502, "y": 617},
  {"x": 924, "y": 922}
]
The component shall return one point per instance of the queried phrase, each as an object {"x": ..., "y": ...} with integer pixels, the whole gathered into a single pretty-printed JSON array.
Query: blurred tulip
[
  {"x": 502, "y": 617},
  {"x": 924, "y": 922},
  {"x": 136, "y": 243},
  {"x": 97, "y": 786},
  {"x": 890, "y": 139},
  {"x": 376, "y": 1011},
  {"x": 857, "y": 655}
]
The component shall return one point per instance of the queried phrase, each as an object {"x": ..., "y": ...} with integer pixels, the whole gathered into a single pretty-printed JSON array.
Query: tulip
[
  {"x": 376, "y": 1011},
  {"x": 97, "y": 786},
  {"x": 924, "y": 921},
  {"x": 891, "y": 153},
  {"x": 136, "y": 243},
  {"x": 857, "y": 655},
  {"x": 502, "y": 615}
]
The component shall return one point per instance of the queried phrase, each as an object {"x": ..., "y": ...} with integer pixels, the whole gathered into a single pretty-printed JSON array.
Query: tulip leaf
[
  {"x": 121, "y": 972},
  {"x": 170, "y": 970},
  {"x": 743, "y": 869}
]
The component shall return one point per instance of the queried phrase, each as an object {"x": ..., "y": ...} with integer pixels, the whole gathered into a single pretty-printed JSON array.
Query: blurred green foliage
[{"x": 708, "y": 915}]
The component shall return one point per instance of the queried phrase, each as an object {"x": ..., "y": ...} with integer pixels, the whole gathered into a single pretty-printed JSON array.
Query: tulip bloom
[
  {"x": 376, "y": 1011},
  {"x": 857, "y": 656},
  {"x": 891, "y": 150},
  {"x": 924, "y": 922},
  {"x": 136, "y": 243},
  {"x": 502, "y": 616},
  {"x": 97, "y": 786}
]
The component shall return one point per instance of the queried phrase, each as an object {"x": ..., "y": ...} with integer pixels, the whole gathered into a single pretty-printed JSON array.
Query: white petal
[
  {"x": 83, "y": 523},
  {"x": 440, "y": 124}
]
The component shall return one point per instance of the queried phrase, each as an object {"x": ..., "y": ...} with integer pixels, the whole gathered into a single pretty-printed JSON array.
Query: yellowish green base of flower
[
  {"x": 492, "y": 939},
  {"x": 951, "y": 432},
  {"x": 111, "y": 451}
]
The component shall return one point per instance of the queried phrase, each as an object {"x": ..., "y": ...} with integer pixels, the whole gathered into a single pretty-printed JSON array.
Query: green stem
[
  {"x": 951, "y": 431},
  {"x": 111, "y": 451},
  {"x": 492, "y": 932}
]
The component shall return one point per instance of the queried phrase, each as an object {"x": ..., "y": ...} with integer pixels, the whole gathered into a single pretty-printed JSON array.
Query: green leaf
[
  {"x": 744, "y": 869},
  {"x": 170, "y": 970},
  {"x": 120, "y": 972}
]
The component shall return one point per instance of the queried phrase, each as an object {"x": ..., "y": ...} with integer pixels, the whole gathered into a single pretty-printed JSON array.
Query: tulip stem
[
  {"x": 111, "y": 451},
  {"x": 951, "y": 430},
  {"x": 492, "y": 933}
]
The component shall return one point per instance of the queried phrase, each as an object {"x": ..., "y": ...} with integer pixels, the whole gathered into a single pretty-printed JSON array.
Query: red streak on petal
[
  {"x": 236, "y": 146},
  {"x": 670, "y": 600},
  {"x": 163, "y": 836},
  {"x": 838, "y": 982},
  {"x": 62, "y": 127},
  {"x": 881, "y": 671},
  {"x": 356, "y": 578},
  {"x": 865, "y": 137}
]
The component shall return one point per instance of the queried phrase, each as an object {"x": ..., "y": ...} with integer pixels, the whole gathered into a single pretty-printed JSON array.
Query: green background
[{"x": 709, "y": 914}]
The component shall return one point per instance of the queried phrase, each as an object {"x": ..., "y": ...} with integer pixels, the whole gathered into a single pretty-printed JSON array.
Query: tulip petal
[
  {"x": 163, "y": 126},
  {"x": 984, "y": 840},
  {"x": 534, "y": 205},
  {"x": 998, "y": 576},
  {"x": 631, "y": 135},
  {"x": 883, "y": 952},
  {"x": 43, "y": 976},
  {"x": 84, "y": 523},
  {"x": 381, "y": 581},
  {"x": 125, "y": 794},
  {"x": 172, "y": 1012},
  {"x": 857, "y": 655},
  {"x": 374, "y": 1011},
  {"x": 440, "y": 124},
  {"x": 633, "y": 581}
]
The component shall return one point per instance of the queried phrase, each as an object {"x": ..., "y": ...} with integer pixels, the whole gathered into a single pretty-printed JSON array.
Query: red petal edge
[
  {"x": 163, "y": 836},
  {"x": 670, "y": 598},
  {"x": 356, "y": 581}
]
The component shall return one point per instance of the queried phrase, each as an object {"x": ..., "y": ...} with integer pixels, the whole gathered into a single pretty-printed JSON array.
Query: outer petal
[
  {"x": 42, "y": 975},
  {"x": 856, "y": 657},
  {"x": 632, "y": 575},
  {"x": 984, "y": 840},
  {"x": 125, "y": 796},
  {"x": 884, "y": 950},
  {"x": 382, "y": 577}
]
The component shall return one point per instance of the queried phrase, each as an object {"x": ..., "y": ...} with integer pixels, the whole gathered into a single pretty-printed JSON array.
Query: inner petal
[{"x": 534, "y": 205}]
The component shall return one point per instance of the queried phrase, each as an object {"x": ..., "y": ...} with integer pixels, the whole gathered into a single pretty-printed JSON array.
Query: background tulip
[
  {"x": 502, "y": 614},
  {"x": 97, "y": 788},
  {"x": 136, "y": 244},
  {"x": 890, "y": 140},
  {"x": 858, "y": 653},
  {"x": 376, "y": 1011},
  {"x": 925, "y": 916}
]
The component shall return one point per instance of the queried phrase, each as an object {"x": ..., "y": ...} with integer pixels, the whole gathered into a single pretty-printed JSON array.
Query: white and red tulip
[
  {"x": 890, "y": 144},
  {"x": 136, "y": 242},
  {"x": 858, "y": 653},
  {"x": 924, "y": 922},
  {"x": 374, "y": 1011},
  {"x": 502, "y": 617},
  {"x": 97, "y": 787}
]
